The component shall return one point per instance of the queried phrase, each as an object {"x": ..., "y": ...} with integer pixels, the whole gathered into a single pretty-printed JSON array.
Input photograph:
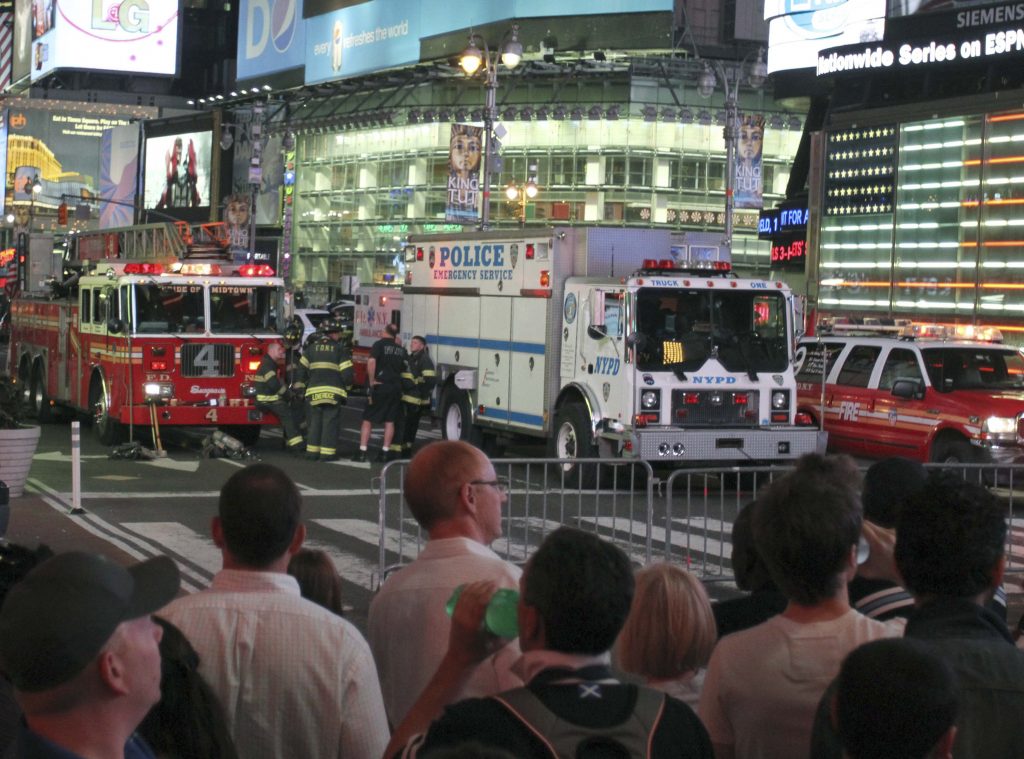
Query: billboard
[
  {"x": 178, "y": 171},
  {"x": 137, "y": 36},
  {"x": 119, "y": 171},
  {"x": 799, "y": 29},
  {"x": 21, "y": 55},
  {"x": 271, "y": 37}
]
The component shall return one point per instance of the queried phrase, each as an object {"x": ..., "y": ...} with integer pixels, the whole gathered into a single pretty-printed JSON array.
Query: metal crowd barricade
[
  {"x": 685, "y": 518},
  {"x": 543, "y": 497},
  {"x": 699, "y": 507}
]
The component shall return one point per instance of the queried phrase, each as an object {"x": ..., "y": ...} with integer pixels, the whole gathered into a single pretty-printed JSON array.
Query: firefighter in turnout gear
[
  {"x": 271, "y": 395},
  {"x": 418, "y": 380},
  {"x": 294, "y": 373},
  {"x": 328, "y": 375}
]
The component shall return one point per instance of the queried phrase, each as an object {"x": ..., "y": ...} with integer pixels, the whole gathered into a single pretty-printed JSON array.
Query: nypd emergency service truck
[{"x": 608, "y": 343}]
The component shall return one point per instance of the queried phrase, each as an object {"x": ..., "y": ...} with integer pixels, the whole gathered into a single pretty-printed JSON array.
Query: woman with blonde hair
[{"x": 670, "y": 632}]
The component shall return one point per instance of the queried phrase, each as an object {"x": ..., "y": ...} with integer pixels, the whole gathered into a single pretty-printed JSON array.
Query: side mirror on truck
[{"x": 597, "y": 329}]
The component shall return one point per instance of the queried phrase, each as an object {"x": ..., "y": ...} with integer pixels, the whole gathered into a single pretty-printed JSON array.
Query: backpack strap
[{"x": 525, "y": 706}]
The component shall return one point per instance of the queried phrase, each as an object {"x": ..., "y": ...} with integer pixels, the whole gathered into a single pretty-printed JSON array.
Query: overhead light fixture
[
  {"x": 776, "y": 122},
  {"x": 226, "y": 138},
  {"x": 707, "y": 82},
  {"x": 796, "y": 123},
  {"x": 685, "y": 116},
  {"x": 549, "y": 56},
  {"x": 526, "y": 114},
  {"x": 267, "y": 88},
  {"x": 559, "y": 113},
  {"x": 650, "y": 113},
  {"x": 444, "y": 115},
  {"x": 414, "y": 116},
  {"x": 512, "y": 51},
  {"x": 191, "y": 102},
  {"x": 594, "y": 114},
  {"x": 668, "y": 114},
  {"x": 576, "y": 114},
  {"x": 234, "y": 94},
  {"x": 428, "y": 117},
  {"x": 599, "y": 55},
  {"x": 704, "y": 117},
  {"x": 758, "y": 70},
  {"x": 472, "y": 58},
  {"x": 476, "y": 115},
  {"x": 509, "y": 113},
  {"x": 542, "y": 113},
  {"x": 461, "y": 114},
  {"x": 612, "y": 114}
]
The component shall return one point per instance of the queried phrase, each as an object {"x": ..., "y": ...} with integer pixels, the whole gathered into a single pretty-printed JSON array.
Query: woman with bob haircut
[{"x": 670, "y": 632}]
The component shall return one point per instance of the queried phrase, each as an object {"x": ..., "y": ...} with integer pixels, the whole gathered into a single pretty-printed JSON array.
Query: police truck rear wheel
[
  {"x": 574, "y": 439},
  {"x": 457, "y": 417}
]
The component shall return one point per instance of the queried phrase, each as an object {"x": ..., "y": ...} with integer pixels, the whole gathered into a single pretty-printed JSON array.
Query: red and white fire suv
[
  {"x": 926, "y": 392},
  {"x": 145, "y": 325}
]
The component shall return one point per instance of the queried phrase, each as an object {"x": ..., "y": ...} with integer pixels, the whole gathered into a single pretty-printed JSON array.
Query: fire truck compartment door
[
  {"x": 529, "y": 386},
  {"x": 495, "y": 358}
]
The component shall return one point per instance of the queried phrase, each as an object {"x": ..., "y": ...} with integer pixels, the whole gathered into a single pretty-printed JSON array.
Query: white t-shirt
[
  {"x": 763, "y": 684},
  {"x": 408, "y": 625}
]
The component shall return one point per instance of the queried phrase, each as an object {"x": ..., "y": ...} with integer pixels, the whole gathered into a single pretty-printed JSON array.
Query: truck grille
[
  {"x": 207, "y": 360},
  {"x": 714, "y": 408}
]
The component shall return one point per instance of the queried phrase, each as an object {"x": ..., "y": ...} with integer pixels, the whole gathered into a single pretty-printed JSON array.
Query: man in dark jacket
[
  {"x": 384, "y": 373},
  {"x": 418, "y": 382},
  {"x": 328, "y": 376},
  {"x": 271, "y": 396}
]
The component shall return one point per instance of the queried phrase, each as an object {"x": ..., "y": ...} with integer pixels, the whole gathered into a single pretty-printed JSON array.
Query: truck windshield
[
  {"x": 166, "y": 308},
  {"x": 243, "y": 308},
  {"x": 969, "y": 368},
  {"x": 679, "y": 330}
]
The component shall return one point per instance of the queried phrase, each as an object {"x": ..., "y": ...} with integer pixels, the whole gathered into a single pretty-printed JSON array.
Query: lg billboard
[{"x": 137, "y": 36}]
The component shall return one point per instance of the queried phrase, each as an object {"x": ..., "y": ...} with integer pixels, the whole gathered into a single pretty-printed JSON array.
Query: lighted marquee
[{"x": 860, "y": 171}]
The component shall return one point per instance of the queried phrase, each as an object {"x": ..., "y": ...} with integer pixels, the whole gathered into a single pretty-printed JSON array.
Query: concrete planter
[{"x": 17, "y": 447}]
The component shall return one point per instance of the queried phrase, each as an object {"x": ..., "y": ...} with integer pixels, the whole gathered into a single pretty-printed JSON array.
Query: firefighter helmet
[{"x": 292, "y": 335}]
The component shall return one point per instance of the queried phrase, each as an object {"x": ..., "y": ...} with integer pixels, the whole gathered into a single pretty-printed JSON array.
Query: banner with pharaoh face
[{"x": 747, "y": 184}]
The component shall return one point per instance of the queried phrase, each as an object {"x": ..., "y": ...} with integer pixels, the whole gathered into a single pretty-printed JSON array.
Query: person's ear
[
  {"x": 217, "y": 531},
  {"x": 112, "y": 671},
  {"x": 944, "y": 748},
  {"x": 297, "y": 539}
]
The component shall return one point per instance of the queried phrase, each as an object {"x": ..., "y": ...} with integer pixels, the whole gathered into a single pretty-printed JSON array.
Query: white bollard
[{"x": 76, "y": 468}]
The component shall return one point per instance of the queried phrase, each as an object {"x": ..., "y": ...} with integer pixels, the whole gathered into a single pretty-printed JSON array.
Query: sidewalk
[{"x": 34, "y": 521}]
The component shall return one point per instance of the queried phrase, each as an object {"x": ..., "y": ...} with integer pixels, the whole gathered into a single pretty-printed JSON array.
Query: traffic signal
[{"x": 62, "y": 214}]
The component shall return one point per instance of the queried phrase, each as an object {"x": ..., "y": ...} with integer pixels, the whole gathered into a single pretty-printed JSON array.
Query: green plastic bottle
[{"x": 501, "y": 617}]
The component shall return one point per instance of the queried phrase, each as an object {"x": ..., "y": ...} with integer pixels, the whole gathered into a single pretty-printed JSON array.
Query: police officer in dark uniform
[
  {"x": 271, "y": 396},
  {"x": 328, "y": 376},
  {"x": 384, "y": 372},
  {"x": 418, "y": 382}
]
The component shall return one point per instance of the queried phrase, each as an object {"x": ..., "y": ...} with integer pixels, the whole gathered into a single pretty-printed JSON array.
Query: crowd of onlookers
[{"x": 872, "y": 626}]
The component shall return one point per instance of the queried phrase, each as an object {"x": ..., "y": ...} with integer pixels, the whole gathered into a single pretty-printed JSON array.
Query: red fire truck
[{"x": 144, "y": 326}]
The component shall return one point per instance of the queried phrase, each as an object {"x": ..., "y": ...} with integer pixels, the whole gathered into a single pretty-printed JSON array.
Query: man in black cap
[{"x": 79, "y": 645}]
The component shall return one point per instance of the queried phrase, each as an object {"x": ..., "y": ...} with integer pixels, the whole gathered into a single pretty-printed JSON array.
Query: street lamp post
[
  {"x": 472, "y": 60},
  {"x": 706, "y": 86},
  {"x": 524, "y": 193}
]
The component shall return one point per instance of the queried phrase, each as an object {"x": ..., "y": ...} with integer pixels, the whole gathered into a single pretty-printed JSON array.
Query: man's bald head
[{"x": 435, "y": 476}]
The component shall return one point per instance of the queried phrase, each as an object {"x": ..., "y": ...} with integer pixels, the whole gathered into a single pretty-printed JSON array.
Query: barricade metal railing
[
  {"x": 685, "y": 517},
  {"x": 614, "y": 500}
]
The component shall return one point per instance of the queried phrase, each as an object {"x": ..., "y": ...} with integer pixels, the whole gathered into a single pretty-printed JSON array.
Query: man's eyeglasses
[{"x": 500, "y": 484}]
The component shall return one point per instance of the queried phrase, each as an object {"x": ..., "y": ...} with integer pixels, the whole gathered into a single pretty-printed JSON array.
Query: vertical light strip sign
[
  {"x": 271, "y": 37},
  {"x": 799, "y": 29},
  {"x": 363, "y": 38},
  {"x": 119, "y": 173},
  {"x": 4, "y": 113},
  {"x": 138, "y": 36}
]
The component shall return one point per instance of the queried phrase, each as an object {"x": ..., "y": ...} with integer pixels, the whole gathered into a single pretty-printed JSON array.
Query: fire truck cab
[{"x": 147, "y": 325}]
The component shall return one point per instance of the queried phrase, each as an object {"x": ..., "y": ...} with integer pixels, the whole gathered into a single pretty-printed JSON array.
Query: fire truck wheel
[
  {"x": 456, "y": 417},
  {"x": 40, "y": 402},
  {"x": 108, "y": 430},
  {"x": 952, "y": 451},
  {"x": 246, "y": 434},
  {"x": 25, "y": 378},
  {"x": 574, "y": 439}
]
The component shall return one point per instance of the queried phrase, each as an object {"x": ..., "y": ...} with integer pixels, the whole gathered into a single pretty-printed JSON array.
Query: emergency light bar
[
  {"x": 197, "y": 270},
  {"x": 143, "y": 268},
  {"x": 256, "y": 270},
  {"x": 952, "y": 332}
]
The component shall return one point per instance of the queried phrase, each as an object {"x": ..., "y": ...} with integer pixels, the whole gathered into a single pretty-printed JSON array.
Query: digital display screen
[
  {"x": 139, "y": 36},
  {"x": 774, "y": 221},
  {"x": 177, "y": 172},
  {"x": 788, "y": 252}
]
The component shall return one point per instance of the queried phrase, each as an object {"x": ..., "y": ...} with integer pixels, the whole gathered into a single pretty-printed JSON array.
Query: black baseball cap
[{"x": 58, "y": 618}]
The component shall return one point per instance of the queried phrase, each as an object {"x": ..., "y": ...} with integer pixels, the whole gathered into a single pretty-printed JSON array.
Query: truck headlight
[
  {"x": 1000, "y": 425},
  {"x": 157, "y": 390},
  {"x": 780, "y": 399},
  {"x": 650, "y": 400}
]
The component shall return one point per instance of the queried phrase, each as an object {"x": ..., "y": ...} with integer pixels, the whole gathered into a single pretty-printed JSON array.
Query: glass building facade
[
  {"x": 924, "y": 219},
  {"x": 360, "y": 192}
]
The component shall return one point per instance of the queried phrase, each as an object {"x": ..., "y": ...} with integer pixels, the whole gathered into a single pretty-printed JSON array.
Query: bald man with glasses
[{"x": 454, "y": 494}]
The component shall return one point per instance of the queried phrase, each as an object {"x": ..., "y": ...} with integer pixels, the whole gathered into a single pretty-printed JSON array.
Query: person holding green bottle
[{"x": 455, "y": 495}]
